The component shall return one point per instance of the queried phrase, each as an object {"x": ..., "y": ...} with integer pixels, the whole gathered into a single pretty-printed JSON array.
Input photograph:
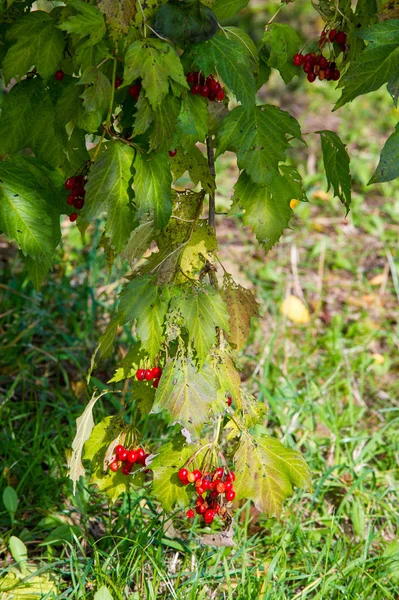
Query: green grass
[{"x": 331, "y": 388}]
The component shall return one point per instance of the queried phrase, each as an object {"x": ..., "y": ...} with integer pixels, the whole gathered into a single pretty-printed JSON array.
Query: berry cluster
[
  {"x": 317, "y": 65},
  {"x": 215, "y": 485},
  {"x": 207, "y": 88},
  {"x": 76, "y": 198},
  {"x": 134, "y": 90},
  {"x": 336, "y": 37},
  {"x": 149, "y": 375},
  {"x": 127, "y": 458}
]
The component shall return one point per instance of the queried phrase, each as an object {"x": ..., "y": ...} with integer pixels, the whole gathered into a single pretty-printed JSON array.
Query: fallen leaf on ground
[{"x": 295, "y": 310}]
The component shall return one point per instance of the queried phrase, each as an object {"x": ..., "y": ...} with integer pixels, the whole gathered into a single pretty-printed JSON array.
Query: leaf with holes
[{"x": 241, "y": 306}]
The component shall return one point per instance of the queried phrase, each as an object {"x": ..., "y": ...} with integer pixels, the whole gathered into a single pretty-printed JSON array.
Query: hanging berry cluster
[
  {"x": 153, "y": 375},
  {"x": 76, "y": 198},
  {"x": 207, "y": 88},
  {"x": 218, "y": 487},
  {"x": 315, "y": 65},
  {"x": 125, "y": 459}
]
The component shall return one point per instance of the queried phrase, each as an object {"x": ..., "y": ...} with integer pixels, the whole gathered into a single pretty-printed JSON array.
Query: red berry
[
  {"x": 172, "y": 153},
  {"x": 191, "y": 477},
  {"x": 114, "y": 466},
  {"x": 220, "y": 487},
  {"x": 190, "y": 513},
  {"x": 148, "y": 374},
  {"x": 323, "y": 62},
  {"x": 78, "y": 203},
  {"x": 126, "y": 468},
  {"x": 298, "y": 60},
  {"x": 140, "y": 454},
  {"x": 132, "y": 456},
  {"x": 197, "y": 474},
  {"x": 122, "y": 455},
  {"x": 141, "y": 459},
  {"x": 199, "y": 501},
  {"x": 198, "y": 483},
  {"x": 228, "y": 486},
  {"x": 204, "y": 91},
  {"x": 209, "y": 515},
  {"x": 140, "y": 374},
  {"x": 230, "y": 495},
  {"x": 191, "y": 77},
  {"x": 201, "y": 509},
  {"x": 214, "y": 86},
  {"x": 118, "y": 449},
  {"x": 231, "y": 476},
  {"x": 71, "y": 199},
  {"x": 70, "y": 183},
  {"x": 219, "y": 472},
  {"x": 311, "y": 77},
  {"x": 206, "y": 484},
  {"x": 200, "y": 490},
  {"x": 134, "y": 91},
  {"x": 308, "y": 67},
  {"x": 229, "y": 400},
  {"x": 214, "y": 494},
  {"x": 155, "y": 383},
  {"x": 118, "y": 82},
  {"x": 220, "y": 95},
  {"x": 182, "y": 475},
  {"x": 336, "y": 75},
  {"x": 156, "y": 372},
  {"x": 73, "y": 217},
  {"x": 79, "y": 181},
  {"x": 328, "y": 73},
  {"x": 59, "y": 75},
  {"x": 332, "y": 35},
  {"x": 196, "y": 88},
  {"x": 340, "y": 38}
]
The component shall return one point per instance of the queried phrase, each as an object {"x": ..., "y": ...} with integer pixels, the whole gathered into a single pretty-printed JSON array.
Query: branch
[{"x": 211, "y": 163}]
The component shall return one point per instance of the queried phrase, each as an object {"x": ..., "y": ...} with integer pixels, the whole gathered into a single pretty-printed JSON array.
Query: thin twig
[{"x": 211, "y": 163}]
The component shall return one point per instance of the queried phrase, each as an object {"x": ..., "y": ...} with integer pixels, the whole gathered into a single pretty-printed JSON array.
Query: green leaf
[
  {"x": 96, "y": 96},
  {"x": 225, "y": 58},
  {"x": 281, "y": 42},
  {"x": 376, "y": 65},
  {"x": 139, "y": 241},
  {"x": 192, "y": 123},
  {"x": 336, "y": 165},
  {"x": 225, "y": 9},
  {"x": 193, "y": 161},
  {"x": 241, "y": 307},
  {"x": 267, "y": 208},
  {"x": 36, "y": 42},
  {"x": 187, "y": 394},
  {"x": 388, "y": 166},
  {"x": 246, "y": 42},
  {"x": 88, "y": 23},
  {"x": 152, "y": 187},
  {"x": 198, "y": 251},
  {"x": 185, "y": 24},
  {"x": 259, "y": 138},
  {"x": 107, "y": 189},
  {"x": 103, "y": 592},
  {"x": 149, "y": 326},
  {"x": 164, "y": 128},
  {"x": 266, "y": 472},
  {"x": 202, "y": 310},
  {"x": 393, "y": 89},
  {"x": 10, "y": 500},
  {"x": 19, "y": 553},
  {"x": 135, "y": 297},
  {"x": 157, "y": 64},
  {"x": 84, "y": 428}
]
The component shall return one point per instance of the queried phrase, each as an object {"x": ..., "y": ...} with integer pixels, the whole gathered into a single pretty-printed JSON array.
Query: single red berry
[
  {"x": 214, "y": 494},
  {"x": 209, "y": 515},
  {"x": 229, "y": 400},
  {"x": 308, "y": 67},
  {"x": 155, "y": 383},
  {"x": 198, "y": 483},
  {"x": 200, "y": 490},
  {"x": 323, "y": 62},
  {"x": 219, "y": 472},
  {"x": 70, "y": 183},
  {"x": 199, "y": 500},
  {"x": 148, "y": 374},
  {"x": 228, "y": 486},
  {"x": 214, "y": 86},
  {"x": 298, "y": 59},
  {"x": 206, "y": 484},
  {"x": 191, "y": 77},
  {"x": 141, "y": 459},
  {"x": 212, "y": 485},
  {"x": 220, "y": 487},
  {"x": 220, "y": 95},
  {"x": 191, "y": 477},
  {"x": 73, "y": 217},
  {"x": 182, "y": 475},
  {"x": 231, "y": 476},
  {"x": 78, "y": 203},
  {"x": 201, "y": 509},
  {"x": 140, "y": 454},
  {"x": 59, "y": 75},
  {"x": 122, "y": 455},
  {"x": 332, "y": 35},
  {"x": 340, "y": 38},
  {"x": 126, "y": 468},
  {"x": 134, "y": 91},
  {"x": 230, "y": 495},
  {"x": 197, "y": 474},
  {"x": 196, "y": 88},
  {"x": 114, "y": 466},
  {"x": 172, "y": 153},
  {"x": 156, "y": 372},
  {"x": 132, "y": 456},
  {"x": 71, "y": 199},
  {"x": 118, "y": 82},
  {"x": 311, "y": 77},
  {"x": 140, "y": 374},
  {"x": 336, "y": 75},
  {"x": 328, "y": 73},
  {"x": 190, "y": 513},
  {"x": 204, "y": 91},
  {"x": 119, "y": 449}
]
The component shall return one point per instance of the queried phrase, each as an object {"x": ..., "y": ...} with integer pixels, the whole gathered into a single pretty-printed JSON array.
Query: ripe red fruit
[
  {"x": 219, "y": 472},
  {"x": 198, "y": 483},
  {"x": 156, "y": 383},
  {"x": 118, "y": 82},
  {"x": 59, "y": 75},
  {"x": 134, "y": 91},
  {"x": 308, "y": 67},
  {"x": 114, "y": 466},
  {"x": 328, "y": 73},
  {"x": 148, "y": 374},
  {"x": 200, "y": 490},
  {"x": 156, "y": 372},
  {"x": 220, "y": 95},
  {"x": 172, "y": 153},
  {"x": 140, "y": 454},
  {"x": 79, "y": 181},
  {"x": 209, "y": 515},
  {"x": 140, "y": 374},
  {"x": 340, "y": 38},
  {"x": 214, "y": 494},
  {"x": 119, "y": 449},
  {"x": 214, "y": 86},
  {"x": 141, "y": 459},
  {"x": 201, "y": 509},
  {"x": 231, "y": 476},
  {"x": 206, "y": 484},
  {"x": 73, "y": 217},
  {"x": 78, "y": 203},
  {"x": 190, "y": 513},
  {"x": 220, "y": 487},
  {"x": 132, "y": 456},
  {"x": 182, "y": 475},
  {"x": 230, "y": 495},
  {"x": 298, "y": 60},
  {"x": 336, "y": 75},
  {"x": 204, "y": 91},
  {"x": 332, "y": 35},
  {"x": 196, "y": 88},
  {"x": 322, "y": 74},
  {"x": 197, "y": 474},
  {"x": 311, "y": 77},
  {"x": 122, "y": 455},
  {"x": 199, "y": 501},
  {"x": 323, "y": 62},
  {"x": 229, "y": 400},
  {"x": 70, "y": 183},
  {"x": 191, "y": 77},
  {"x": 228, "y": 486},
  {"x": 70, "y": 199},
  {"x": 126, "y": 468}
]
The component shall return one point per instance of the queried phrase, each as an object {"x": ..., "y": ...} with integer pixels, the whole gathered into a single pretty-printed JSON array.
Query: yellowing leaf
[
  {"x": 241, "y": 306},
  {"x": 295, "y": 310},
  {"x": 377, "y": 279},
  {"x": 199, "y": 250}
]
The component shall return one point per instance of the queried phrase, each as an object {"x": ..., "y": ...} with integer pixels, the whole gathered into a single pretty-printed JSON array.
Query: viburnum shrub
[{"x": 108, "y": 104}]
